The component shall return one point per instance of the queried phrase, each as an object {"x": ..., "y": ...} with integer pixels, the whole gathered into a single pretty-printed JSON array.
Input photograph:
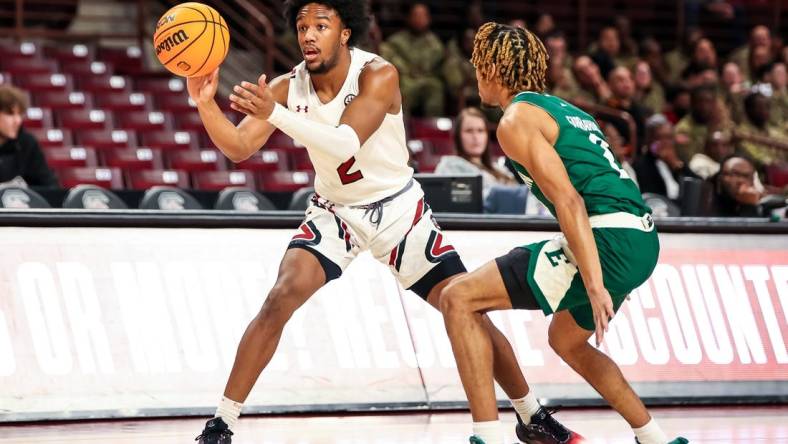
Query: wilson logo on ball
[{"x": 172, "y": 41}]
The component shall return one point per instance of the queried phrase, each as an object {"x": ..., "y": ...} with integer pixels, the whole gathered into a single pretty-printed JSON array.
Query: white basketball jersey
[{"x": 379, "y": 169}]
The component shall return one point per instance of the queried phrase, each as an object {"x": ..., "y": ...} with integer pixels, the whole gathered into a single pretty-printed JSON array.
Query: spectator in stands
[
  {"x": 696, "y": 75},
  {"x": 418, "y": 55},
  {"x": 660, "y": 169},
  {"x": 622, "y": 88},
  {"x": 593, "y": 88},
  {"x": 735, "y": 193},
  {"x": 756, "y": 123},
  {"x": 704, "y": 53},
  {"x": 458, "y": 71},
  {"x": 22, "y": 162},
  {"x": 648, "y": 92},
  {"x": 544, "y": 25},
  {"x": 629, "y": 48},
  {"x": 760, "y": 36},
  {"x": 760, "y": 56},
  {"x": 678, "y": 58},
  {"x": 706, "y": 113},
  {"x": 555, "y": 44},
  {"x": 651, "y": 52},
  {"x": 617, "y": 146},
  {"x": 472, "y": 144},
  {"x": 718, "y": 147},
  {"x": 733, "y": 90},
  {"x": 560, "y": 81},
  {"x": 678, "y": 103},
  {"x": 608, "y": 51},
  {"x": 775, "y": 75}
]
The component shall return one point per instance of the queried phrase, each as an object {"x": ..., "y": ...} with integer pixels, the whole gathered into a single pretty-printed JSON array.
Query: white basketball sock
[
  {"x": 489, "y": 431},
  {"x": 229, "y": 411},
  {"x": 651, "y": 433},
  {"x": 526, "y": 406}
]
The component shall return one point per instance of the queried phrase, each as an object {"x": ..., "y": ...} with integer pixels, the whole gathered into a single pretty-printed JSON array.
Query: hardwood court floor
[{"x": 706, "y": 425}]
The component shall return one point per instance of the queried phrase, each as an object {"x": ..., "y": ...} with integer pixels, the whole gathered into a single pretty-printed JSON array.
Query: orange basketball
[{"x": 191, "y": 39}]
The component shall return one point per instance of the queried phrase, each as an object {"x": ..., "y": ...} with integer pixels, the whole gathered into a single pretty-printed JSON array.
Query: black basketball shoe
[
  {"x": 544, "y": 429},
  {"x": 216, "y": 431}
]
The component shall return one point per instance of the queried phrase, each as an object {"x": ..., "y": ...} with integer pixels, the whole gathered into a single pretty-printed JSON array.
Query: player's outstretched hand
[
  {"x": 602, "y": 306},
  {"x": 202, "y": 89},
  {"x": 253, "y": 100}
]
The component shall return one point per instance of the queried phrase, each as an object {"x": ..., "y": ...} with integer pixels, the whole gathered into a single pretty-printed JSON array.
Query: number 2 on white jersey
[{"x": 596, "y": 140}]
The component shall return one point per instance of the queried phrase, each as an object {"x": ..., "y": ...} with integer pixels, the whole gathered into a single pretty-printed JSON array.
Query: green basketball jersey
[{"x": 593, "y": 170}]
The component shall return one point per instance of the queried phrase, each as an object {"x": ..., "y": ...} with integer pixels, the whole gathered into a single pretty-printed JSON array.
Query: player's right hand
[{"x": 202, "y": 89}]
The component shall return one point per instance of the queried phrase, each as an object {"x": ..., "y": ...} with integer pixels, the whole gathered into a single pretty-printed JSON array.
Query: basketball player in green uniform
[{"x": 609, "y": 245}]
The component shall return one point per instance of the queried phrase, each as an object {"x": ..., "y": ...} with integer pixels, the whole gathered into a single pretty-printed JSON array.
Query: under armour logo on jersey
[{"x": 305, "y": 107}]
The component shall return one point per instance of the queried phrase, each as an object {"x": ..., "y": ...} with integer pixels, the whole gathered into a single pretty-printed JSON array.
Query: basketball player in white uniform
[{"x": 344, "y": 105}]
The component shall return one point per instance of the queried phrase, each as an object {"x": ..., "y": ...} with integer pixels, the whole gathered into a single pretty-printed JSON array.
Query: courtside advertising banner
[{"x": 115, "y": 322}]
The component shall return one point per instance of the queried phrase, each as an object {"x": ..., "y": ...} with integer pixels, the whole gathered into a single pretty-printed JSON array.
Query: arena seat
[
  {"x": 168, "y": 198},
  {"x": 19, "y": 67},
  {"x": 242, "y": 199},
  {"x": 144, "y": 120},
  {"x": 300, "y": 160},
  {"x": 134, "y": 159},
  {"x": 17, "y": 198},
  {"x": 175, "y": 103},
  {"x": 301, "y": 198},
  {"x": 111, "y": 178},
  {"x": 52, "y": 137},
  {"x": 84, "y": 68},
  {"x": 84, "y": 119},
  {"x": 161, "y": 85},
  {"x": 91, "y": 197},
  {"x": 278, "y": 139},
  {"x": 34, "y": 83},
  {"x": 36, "y": 117},
  {"x": 70, "y": 53},
  {"x": 103, "y": 83},
  {"x": 219, "y": 180},
  {"x": 144, "y": 179},
  {"x": 661, "y": 205},
  {"x": 170, "y": 140},
  {"x": 285, "y": 181},
  {"x": 123, "y": 101},
  {"x": 23, "y": 50},
  {"x": 203, "y": 160},
  {"x": 63, "y": 100},
  {"x": 431, "y": 128},
  {"x": 127, "y": 60},
  {"x": 102, "y": 139},
  {"x": 58, "y": 158},
  {"x": 266, "y": 160}
]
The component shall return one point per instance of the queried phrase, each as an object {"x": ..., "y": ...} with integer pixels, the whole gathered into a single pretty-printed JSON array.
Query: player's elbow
[{"x": 569, "y": 203}]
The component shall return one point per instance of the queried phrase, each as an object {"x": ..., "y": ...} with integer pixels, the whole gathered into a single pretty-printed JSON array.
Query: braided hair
[{"x": 515, "y": 56}]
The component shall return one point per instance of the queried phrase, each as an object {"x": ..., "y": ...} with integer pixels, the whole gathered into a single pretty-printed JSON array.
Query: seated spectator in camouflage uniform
[
  {"x": 756, "y": 123},
  {"x": 418, "y": 55},
  {"x": 622, "y": 88},
  {"x": 718, "y": 147},
  {"x": 593, "y": 88},
  {"x": 648, "y": 92},
  {"x": 458, "y": 71},
  {"x": 759, "y": 36},
  {"x": 775, "y": 75},
  {"x": 678, "y": 58},
  {"x": 706, "y": 112}
]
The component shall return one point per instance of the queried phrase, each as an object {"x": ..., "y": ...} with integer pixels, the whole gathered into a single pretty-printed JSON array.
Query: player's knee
[
  {"x": 281, "y": 302},
  {"x": 454, "y": 297},
  {"x": 562, "y": 346}
]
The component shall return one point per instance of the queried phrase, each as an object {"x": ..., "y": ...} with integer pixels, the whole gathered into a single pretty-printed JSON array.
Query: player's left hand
[
  {"x": 602, "y": 306},
  {"x": 253, "y": 100}
]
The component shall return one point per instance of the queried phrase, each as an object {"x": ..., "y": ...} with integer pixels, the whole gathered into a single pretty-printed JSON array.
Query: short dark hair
[
  {"x": 353, "y": 13},
  {"x": 12, "y": 98},
  {"x": 702, "y": 89}
]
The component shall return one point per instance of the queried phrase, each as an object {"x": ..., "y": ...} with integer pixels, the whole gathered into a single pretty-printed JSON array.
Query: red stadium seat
[
  {"x": 83, "y": 68},
  {"x": 110, "y": 178},
  {"x": 279, "y": 139},
  {"x": 288, "y": 181},
  {"x": 144, "y": 120},
  {"x": 431, "y": 128},
  {"x": 777, "y": 175},
  {"x": 123, "y": 101},
  {"x": 170, "y": 140},
  {"x": 84, "y": 119},
  {"x": 70, "y": 53},
  {"x": 142, "y": 180},
  {"x": 6, "y": 79},
  {"x": 266, "y": 160},
  {"x": 58, "y": 158},
  {"x": 127, "y": 60},
  {"x": 63, "y": 100},
  {"x": 9, "y": 50},
  {"x": 105, "y": 83},
  {"x": 424, "y": 155},
  {"x": 45, "y": 82},
  {"x": 189, "y": 121},
  {"x": 134, "y": 159},
  {"x": 176, "y": 103},
  {"x": 203, "y": 160},
  {"x": 52, "y": 137},
  {"x": 22, "y": 67},
  {"x": 301, "y": 160},
  {"x": 162, "y": 86},
  {"x": 442, "y": 147},
  {"x": 38, "y": 118},
  {"x": 219, "y": 180},
  {"x": 103, "y": 139}
]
